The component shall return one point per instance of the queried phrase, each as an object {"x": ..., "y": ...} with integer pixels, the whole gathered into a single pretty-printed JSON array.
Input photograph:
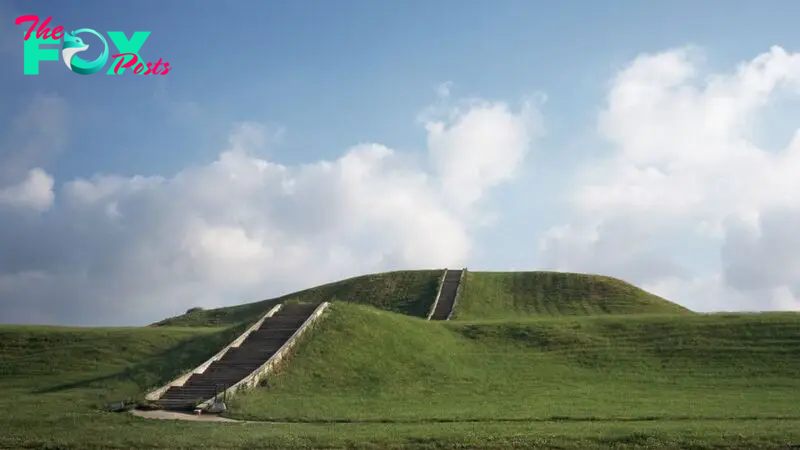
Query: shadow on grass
[{"x": 160, "y": 368}]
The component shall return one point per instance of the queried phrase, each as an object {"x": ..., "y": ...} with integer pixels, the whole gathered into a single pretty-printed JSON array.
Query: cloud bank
[
  {"x": 122, "y": 250},
  {"x": 682, "y": 196},
  {"x": 686, "y": 161}
]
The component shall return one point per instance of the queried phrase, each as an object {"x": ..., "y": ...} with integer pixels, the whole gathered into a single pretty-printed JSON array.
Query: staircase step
[
  {"x": 239, "y": 362},
  {"x": 195, "y": 391},
  {"x": 261, "y": 350},
  {"x": 447, "y": 295}
]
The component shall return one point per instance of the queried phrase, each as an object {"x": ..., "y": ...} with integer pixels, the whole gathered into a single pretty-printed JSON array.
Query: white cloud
[
  {"x": 685, "y": 158},
  {"x": 35, "y": 192},
  {"x": 710, "y": 293},
  {"x": 482, "y": 149},
  {"x": 135, "y": 249},
  {"x": 766, "y": 254},
  {"x": 686, "y": 167}
]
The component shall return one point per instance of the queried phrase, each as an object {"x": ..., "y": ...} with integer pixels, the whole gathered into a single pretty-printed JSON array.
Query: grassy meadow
[
  {"x": 535, "y": 360},
  {"x": 369, "y": 365}
]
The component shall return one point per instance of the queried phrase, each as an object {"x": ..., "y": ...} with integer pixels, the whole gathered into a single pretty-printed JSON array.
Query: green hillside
[
  {"x": 484, "y": 295},
  {"x": 123, "y": 360},
  {"x": 536, "y": 360},
  {"x": 500, "y": 295},
  {"x": 55, "y": 381},
  {"x": 361, "y": 364},
  {"x": 406, "y": 292}
]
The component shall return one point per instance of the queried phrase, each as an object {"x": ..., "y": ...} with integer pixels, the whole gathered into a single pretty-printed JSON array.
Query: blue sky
[
  {"x": 298, "y": 63},
  {"x": 322, "y": 77}
]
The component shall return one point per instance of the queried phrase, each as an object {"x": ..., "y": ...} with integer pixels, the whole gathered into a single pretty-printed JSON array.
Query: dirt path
[{"x": 172, "y": 415}]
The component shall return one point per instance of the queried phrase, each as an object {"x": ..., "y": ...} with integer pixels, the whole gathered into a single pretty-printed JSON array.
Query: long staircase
[
  {"x": 446, "y": 300},
  {"x": 238, "y": 362}
]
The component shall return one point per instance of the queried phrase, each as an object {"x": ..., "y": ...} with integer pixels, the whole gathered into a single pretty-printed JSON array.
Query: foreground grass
[
  {"x": 549, "y": 383},
  {"x": 509, "y": 295},
  {"x": 54, "y": 378},
  {"x": 366, "y": 365},
  {"x": 410, "y": 292},
  {"x": 122, "y": 432}
]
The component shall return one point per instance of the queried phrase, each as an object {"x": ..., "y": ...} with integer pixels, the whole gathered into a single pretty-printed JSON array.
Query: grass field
[
  {"x": 367, "y": 377},
  {"x": 367, "y": 365}
]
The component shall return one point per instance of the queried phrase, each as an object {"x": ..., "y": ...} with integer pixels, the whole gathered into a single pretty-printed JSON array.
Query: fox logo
[{"x": 73, "y": 45}]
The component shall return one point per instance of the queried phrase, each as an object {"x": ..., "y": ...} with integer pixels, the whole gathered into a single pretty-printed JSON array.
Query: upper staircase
[
  {"x": 237, "y": 363},
  {"x": 446, "y": 300}
]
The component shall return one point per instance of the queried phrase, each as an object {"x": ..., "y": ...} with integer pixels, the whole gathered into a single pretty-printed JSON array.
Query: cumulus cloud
[
  {"x": 128, "y": 250},
  {"x": 766, "y": 254},
  {"x": 682, "y": 164},
  {"x": 613, "y": 246},
  {"x": 35, "y": 192},
  {"x": 685, "y": 157},
  {"x": 482, "y": 149}
]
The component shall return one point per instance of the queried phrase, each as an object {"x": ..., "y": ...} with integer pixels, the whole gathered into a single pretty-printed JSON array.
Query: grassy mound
[
  {"x": 507, "y": 295},
  {"x": 538, "y": 360},
  {"x": 361, "y": 364},
  {"x": 573, "y": 382},
  {"x": 484, "y": 295},
  {"x": 408, "y": 292}
]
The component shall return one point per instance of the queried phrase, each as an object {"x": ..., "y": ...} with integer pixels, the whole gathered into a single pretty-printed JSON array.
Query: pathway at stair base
[
  {"x": 447, "y": 296},
  {"x": 238, "y": 362}
]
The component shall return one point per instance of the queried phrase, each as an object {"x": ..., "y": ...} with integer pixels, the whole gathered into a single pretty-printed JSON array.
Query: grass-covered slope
[
  {"x": 691, "y": 382},
  {"x": 504, "y": 295},
  {"x": 55, "y": 381},
  {"x": 408, "y": 292},
  {"x": 110, "y": 362},
  {"x": 362, "y": 364},
  {"x": 484, "y": 295}
]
